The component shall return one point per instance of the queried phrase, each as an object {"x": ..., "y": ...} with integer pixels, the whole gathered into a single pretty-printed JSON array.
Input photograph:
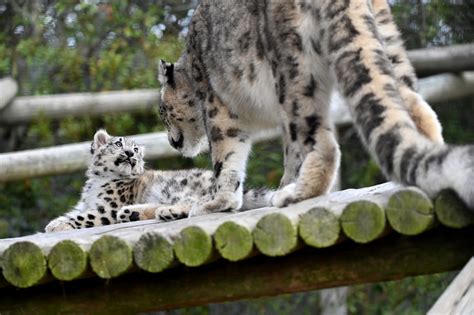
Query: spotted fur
[
  {"x": 254, "y": 64},
  {"x": 119, "y": 189}
]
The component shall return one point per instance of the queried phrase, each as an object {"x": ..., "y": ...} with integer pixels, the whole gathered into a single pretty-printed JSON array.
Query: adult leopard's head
[
  {"x": 115, "y": 156},
  {"x": 180, "y": 111}
]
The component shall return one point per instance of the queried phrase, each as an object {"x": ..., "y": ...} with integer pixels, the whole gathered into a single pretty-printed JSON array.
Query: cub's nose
[{"x": 129, "y": 153}]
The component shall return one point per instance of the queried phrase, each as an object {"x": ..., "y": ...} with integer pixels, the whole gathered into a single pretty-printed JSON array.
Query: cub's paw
[
  {"x": 59, "y": 224},
  {"x": 221, "y": 202},
  {"x": 171, "y": 213},
  {"x": 129, "y": 214},
  {"x": 285, "y": 196}
]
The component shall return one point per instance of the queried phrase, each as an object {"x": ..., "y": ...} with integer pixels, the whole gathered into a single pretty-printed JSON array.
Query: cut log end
[
  {"x": 110, "y": 257},
  {"x": 193, "y": 247},
  {"x": 410, "y": 212},
  {"x": 153, "y": 252},
  {"x": 233, "y": 241},
  {"x": 319, "y": 228},
  {"x": 67, "y": 261},
  {"x": 451, "y": 211},
  {"x": 275, "y": 235},
  {"x": 23, "y": 264},
  {"x": 363, "y": 221}
]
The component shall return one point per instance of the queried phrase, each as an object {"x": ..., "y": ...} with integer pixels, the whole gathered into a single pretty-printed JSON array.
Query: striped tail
[{"x": 365, "y": 77}]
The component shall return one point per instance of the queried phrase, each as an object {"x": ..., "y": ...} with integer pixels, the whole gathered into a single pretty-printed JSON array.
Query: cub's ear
[
  {"x": 166, "y": 73},
  {"x": 101, "y": 137}
]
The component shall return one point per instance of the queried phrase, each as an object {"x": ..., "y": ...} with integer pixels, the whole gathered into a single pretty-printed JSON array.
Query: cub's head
[
  {"x": 180, "y": 111},
  {"x": 115, "y": 156}
]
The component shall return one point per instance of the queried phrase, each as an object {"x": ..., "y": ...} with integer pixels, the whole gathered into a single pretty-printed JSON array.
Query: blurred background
[{"x": 68, "y": 46}]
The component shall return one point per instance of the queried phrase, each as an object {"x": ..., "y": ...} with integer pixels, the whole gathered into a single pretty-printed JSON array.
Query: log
[
  {"x": 23, "y": 264},
  {"x": 67, "y": 261},
  {"x": 153, "y": 247},
  {"x": 455, "y": 58},
  {"x": 73, "y": 157},
  {"x": 26, "y": 108},
  {"x": 452, "y": 211},
  {"x": 234, "y": 242},
  {"x": 447, "y": 87},
  {"x": 410, "y": 212},
  {"x": 194, "y": 246},
  {"x": 304, "y": 270},
  {"x": 110, "y": 257},
  {"x": 153, "y": 252},
  {"x": 8, "y": 90}
]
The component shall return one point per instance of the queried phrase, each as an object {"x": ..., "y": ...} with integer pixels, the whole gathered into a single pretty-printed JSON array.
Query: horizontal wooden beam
[
  {"x": 455, "y": 58},
  {"x": 426, "y": 61},
  {"x": 390, "y": 258},
  {"x": 73, "y": 157},
  {"x": 70, "y": 158},
  {"x": 26, "y": 108}
]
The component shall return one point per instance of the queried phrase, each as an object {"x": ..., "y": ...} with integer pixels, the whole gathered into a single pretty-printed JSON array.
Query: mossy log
[
  {"x": 410, "y": 212},
  {"x": 451, "y": 211},
  {"x": 110, "y": 256},
  {"x": 67, "y": 261},
  {"x": 23, "y": 264}
]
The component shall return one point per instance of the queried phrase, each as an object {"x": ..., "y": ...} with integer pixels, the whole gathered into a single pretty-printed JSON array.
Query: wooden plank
[
  {"x": 459, "y": 296},
  {"x": 390, "y": 258}
]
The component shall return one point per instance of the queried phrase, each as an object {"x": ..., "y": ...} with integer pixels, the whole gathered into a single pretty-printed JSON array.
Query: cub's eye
[
  {"x": 135, "y": 149},
  {"x": 118, "y": 143}
]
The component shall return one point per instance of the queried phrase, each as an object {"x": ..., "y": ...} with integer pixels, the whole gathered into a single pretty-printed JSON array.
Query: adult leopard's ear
[
  {"x": 101, "y": 137},
  {"x": 166, "y": 74}
]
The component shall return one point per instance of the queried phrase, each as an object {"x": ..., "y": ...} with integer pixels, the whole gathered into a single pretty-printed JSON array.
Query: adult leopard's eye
[
  {"x": 135, "y": 149},
  {"x": 118, "y": 143}
]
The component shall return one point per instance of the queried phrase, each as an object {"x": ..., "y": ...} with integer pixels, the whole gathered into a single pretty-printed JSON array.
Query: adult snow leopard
[
  {"x": 119, "y": 189},
  {"x": 253, "y": 64}
]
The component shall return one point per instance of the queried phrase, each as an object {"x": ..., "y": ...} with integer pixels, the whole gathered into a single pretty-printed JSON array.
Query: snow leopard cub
[{"x": 119, "y": 189}]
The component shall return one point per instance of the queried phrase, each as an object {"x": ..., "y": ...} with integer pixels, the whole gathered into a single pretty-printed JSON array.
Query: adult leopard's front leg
[{"x": 230, "y": 146}]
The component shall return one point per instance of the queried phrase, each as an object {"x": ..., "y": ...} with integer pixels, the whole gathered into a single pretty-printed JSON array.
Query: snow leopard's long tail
[
  {"x": 257, "y": 198},
  {"x": 366, "y": 77}
]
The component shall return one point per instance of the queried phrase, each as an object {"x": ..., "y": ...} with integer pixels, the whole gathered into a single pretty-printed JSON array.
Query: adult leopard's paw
[
  {"x": 59, "y": 224},
  {"x": 285, "y": 196},
  {"x": 221, "y": 202}
]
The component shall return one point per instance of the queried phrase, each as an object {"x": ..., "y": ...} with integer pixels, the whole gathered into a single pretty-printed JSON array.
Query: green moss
[
  {"x": 363, "y": 221},
  {"x": 275, "y": 235},
  {"x": 153, "y": 252},
  {"x": 233, "y": 241},
  {"x": 409, "y": 212},
  {"x": 67, "y": 260},
  {"x": 319, "y": 228},
  {"x": 110, "y": 256},
  {"x": 193, "y": 247},
  {"x": 23, "y": 264},
  {"x": 451, "y": 211}
]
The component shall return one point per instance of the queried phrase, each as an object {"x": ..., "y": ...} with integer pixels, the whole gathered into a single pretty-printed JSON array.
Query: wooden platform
[{"x": 353, "y": 236}]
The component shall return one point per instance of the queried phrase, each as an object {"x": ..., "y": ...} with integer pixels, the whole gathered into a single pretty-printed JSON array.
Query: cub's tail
[{"x": 257, "y": 198}]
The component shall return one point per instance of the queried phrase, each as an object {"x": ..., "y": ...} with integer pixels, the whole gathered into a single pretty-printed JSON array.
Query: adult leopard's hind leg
[
  {"x": 304, "y": 92},
  {"x": 421, "y": 112},
  {"x": 230, "y": 147}
]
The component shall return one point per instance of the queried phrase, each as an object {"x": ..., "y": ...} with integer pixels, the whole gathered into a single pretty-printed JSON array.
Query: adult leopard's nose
[{"x": 129, "y": 153}]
